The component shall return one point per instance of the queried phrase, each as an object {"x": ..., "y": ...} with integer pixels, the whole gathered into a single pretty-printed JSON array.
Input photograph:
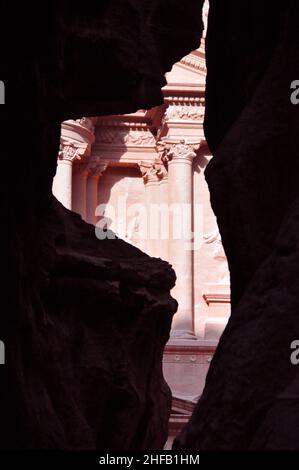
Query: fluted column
[{"x": 179, "y": 155}]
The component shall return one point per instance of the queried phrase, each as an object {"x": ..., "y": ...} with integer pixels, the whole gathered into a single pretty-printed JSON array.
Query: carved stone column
[
  {"x": 179, "y": 155},
  {"x": 62, "y": 183},
  {"x": 75, "y": 145},
  {"x": 151, "y": 178},
  {"x": 80, "y": 175},
  {"x": 95, "y": 171},
  {"x": 164, "y": 211}
]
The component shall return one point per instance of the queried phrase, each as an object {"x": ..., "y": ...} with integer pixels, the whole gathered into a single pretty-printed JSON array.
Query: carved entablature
[
  {"x": 124, "y": 134},
  {"x": 189, "y": 112},
  {"x": 184, "y": 115},
  {"x": 178, "y": 150}
]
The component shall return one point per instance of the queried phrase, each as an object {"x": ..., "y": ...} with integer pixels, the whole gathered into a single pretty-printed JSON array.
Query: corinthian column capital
[
  {"x": 178, "y": 150},
  {"x": 70, "y": 151},
  {"x": 96, "y": 168},
  {"x": 152, "y": 172},
  {"x": 76, "y": 139}
]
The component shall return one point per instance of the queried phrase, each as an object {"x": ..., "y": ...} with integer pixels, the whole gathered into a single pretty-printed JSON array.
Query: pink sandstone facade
[{"x": 142, "y": 176}]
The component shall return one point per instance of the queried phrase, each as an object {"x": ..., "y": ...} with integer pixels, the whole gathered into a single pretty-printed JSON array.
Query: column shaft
[
  {"x": 164, "y": 219},
  {"x": 79, "y": 193},
  {"x": 153, "y": 201},
  {"x": 62, "y": 183},
  {"x": 180, "y": 201},
  {"x": 92, "y": 198}
]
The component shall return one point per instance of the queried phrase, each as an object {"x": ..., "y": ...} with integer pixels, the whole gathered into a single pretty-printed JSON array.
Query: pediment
[{"x": 190, "y": 70}]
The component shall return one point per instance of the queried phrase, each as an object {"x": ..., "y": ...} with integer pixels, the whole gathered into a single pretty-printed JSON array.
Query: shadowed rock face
[
  {"x": 84, "y": 321},
  {"x": 251, "y": 395},
  {"x": 95, "y": 377}
]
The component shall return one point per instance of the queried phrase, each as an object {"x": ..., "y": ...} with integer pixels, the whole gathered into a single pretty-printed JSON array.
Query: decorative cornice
[
  {"x": 194, "y": 62},
  {"x": 216, "y": 298},
  {"x": 186, "y": 100}
]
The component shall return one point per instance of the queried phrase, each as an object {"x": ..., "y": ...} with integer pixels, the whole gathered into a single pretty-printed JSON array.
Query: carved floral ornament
[
  {"x": 123, "y": 137},
  {"x": 135, "y": 134},
  {"x": 70, "y": 151},
  {"x": 181, "y": 150},
  {"x": 152, "y": 172},
  {"x": 185, "y": 112}
]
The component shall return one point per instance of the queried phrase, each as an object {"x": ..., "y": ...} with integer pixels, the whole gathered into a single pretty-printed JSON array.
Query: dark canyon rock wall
[
  {"x": 84, "y": 321},
  {"x": 250, "y": 400}
]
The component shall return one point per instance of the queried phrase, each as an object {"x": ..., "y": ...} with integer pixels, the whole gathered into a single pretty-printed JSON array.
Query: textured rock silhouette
[
  {"x": 251, "y": 395},
  {"x": 84, "y": 322}
]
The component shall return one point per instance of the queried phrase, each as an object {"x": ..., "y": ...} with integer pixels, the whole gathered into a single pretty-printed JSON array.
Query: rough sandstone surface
[{"x": 251, "y": 395}]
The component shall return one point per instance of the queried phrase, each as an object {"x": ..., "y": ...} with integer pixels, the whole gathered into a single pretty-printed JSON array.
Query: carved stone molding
[
  {"x": 189, "y": 112},
  {"x": 195, "y": 61},
  {"x": 127, "y": 134}
]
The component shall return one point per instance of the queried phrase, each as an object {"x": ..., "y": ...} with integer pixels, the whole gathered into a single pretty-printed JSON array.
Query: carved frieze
[
  {"x": 184, "y": 112},
  {"x": 124, "y": 134}
]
